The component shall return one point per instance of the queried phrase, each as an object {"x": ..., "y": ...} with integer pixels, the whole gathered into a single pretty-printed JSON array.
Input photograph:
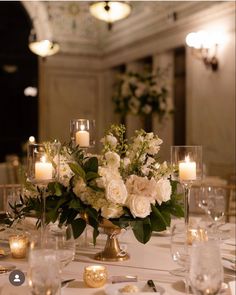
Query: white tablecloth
[{"x": 150, "y": 261}]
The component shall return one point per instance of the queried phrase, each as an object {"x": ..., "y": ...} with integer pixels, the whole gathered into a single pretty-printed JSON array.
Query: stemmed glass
[
  {"x": 43, "y": 167},
  {"x": 44, "y": 272},
  {"x": 187, "y": 168},
  {"x": 213, "y": 201},
  {"x": 206, "y": 271},
  {"x": 179, "y": 248},
  {"x": 62, "y": 241}
]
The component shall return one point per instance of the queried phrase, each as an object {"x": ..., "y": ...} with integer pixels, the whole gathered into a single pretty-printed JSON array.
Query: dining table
[{"x": 150, "y": 261}]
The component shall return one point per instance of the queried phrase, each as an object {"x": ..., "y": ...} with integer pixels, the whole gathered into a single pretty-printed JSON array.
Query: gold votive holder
[
  {"x": 18, "y": 245},
  {"x": 196, "y": 234},
  {"x": 95, "y": 276}
]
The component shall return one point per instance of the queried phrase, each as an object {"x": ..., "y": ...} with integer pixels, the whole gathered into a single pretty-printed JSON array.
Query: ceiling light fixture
[
  {"x": 110, "y": 11},
  {"x": 44, "y": 47}
]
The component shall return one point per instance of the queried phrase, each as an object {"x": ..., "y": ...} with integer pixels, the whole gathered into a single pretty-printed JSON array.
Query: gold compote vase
[{"x": 112, "y": 250}]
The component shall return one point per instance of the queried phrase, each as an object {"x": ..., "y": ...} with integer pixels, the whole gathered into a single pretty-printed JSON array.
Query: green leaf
[
  {"x": 75, "y": 204},
  {"x": 92, "y": 213},
  {"x": 77, "y": 169},
  {"x": 91, "y": 175},
  {"x": 91, "y": 165},
  {"x": 159, "y": 215},
  {"x": 78, "y": 226},
  {"x": 177, "y": 210},
  {"x": 142, "y": 230},
  {"x": 56, "y": 188}
]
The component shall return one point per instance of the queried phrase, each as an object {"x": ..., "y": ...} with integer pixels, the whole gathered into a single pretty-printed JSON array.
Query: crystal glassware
[
  {"x": 82, "y": 132},
  {"x": 61, "y": 240},
  {"x": 44, "y": 272},
  {"x": 206, "y": 271},
  {"x": 187, "y": 168}
]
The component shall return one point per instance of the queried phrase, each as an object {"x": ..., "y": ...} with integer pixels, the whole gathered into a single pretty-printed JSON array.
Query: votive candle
[
  {"x": 95, "y": 276},
  {"x": 18, "y": 245}
]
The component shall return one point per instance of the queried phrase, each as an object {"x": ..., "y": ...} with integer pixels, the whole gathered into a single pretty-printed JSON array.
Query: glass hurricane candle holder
[
  {"x": 82, "y": 132},
  {"x": 95, "y": 276},
  {"x": 18, "y": 245},
  {"x": 43, "y": 164},
  {"x": 187, "y": 168}
]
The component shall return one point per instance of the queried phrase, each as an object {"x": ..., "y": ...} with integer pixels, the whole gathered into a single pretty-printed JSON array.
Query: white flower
[
  {"x": 141, "y": 186},
  {"x": 154, "y": 146},
  {"x": 163, "y": 190},
  {"x": 79, "y": 187},
  {"x": 139, "y": 206},
  {"x": 134, "y": 105},
  {"x": 112, "y": 159},
  {"x": 112, "y": 211},
  {"x": 126, "y": 161},
  {"x": 116, "y": 191},
  {"x": 109, "y": 139},
  {"x": 146, "y": 109}
]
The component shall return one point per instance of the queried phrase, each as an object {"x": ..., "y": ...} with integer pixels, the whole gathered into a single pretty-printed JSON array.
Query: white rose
[
  {"x": 163, "y": 190},
  {"x": 139, "y": 206},
  {"x": 112, "y": 211},
  {"x": 113, "y": 159},
  {"x": 116, "y": 191}
]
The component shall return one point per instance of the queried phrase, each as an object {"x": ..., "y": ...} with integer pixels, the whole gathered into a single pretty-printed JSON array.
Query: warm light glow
[
  {"x": 203, "y": 39},
  {"x": 114, "y": 12},
  {"x": 44, "y": 48},
  {"x": 32, "y": 139},
  {"x": 43, "y": 159},
  {"x": 82, "y": 127},
  {"x": 187, "y": 159},
  {"x": 190, "y": 39},
  {"x": 31, "y": 91}
]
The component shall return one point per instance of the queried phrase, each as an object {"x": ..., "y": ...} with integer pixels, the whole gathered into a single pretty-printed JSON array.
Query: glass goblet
[
  {"x": 44, "y": 272},
  {"x": 206, "y": 271},
  {"x": 62, "y": 241}
]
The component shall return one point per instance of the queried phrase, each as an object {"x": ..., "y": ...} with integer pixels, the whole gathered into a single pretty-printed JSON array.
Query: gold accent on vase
[{"x": 112, "y": 250}]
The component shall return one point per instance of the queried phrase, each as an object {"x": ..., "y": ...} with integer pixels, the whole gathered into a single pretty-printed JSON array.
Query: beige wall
[{"x": 76, "y": 86}]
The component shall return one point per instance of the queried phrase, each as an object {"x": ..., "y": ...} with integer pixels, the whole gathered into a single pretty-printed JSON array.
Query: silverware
[
  {"x": 63, "y": 283},
  {"x": 121, "y": 279},
  {"x": 152, "y": 285}
]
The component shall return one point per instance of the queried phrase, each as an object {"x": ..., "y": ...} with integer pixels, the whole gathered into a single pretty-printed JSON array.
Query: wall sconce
[
  {"x": 110, "y": 11},
  {"x": 204, "y": 47},
  {"x": 42, "y": 48}
]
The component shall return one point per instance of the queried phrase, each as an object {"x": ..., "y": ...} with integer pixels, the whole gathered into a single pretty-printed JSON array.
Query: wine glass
[
  {"x": 44, "y": 272},
  {"x": 179, "y": 248},
  {"x": 206, "y": 271},
  {"x": 62, "y": 241}
]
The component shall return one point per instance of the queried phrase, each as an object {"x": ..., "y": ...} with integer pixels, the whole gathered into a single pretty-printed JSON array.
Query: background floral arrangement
[
  {"x": 142, "y": 94},
  {"x": 125, "y": 184}
]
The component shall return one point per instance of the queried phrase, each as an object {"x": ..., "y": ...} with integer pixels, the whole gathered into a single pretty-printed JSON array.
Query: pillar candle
[
  {"x": 82, "y": 138},
  {"x": 187, "y": 169},
  {"x": 43, "y": 170}
]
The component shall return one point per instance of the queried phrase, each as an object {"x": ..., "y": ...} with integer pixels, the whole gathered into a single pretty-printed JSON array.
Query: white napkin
[{"x": 232, "y": 285}]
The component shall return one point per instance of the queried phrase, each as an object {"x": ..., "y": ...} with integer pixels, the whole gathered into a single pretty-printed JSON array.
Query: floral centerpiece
[
  {"x": 125, "y": 184},
  {"x": 142, "y": 94}
]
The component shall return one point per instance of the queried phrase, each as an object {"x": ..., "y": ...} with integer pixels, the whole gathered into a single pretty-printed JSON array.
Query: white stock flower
[
  {"x": 116, "y": 191},
  {"x": 112, "y": 211},
  {"x": 126, "y": 161},
  {"x": 112, "y": 159},
  {"x": 154, "y": 146},
  {"x": 139, "y": 205},
  {"x": 163, "y": 190}
]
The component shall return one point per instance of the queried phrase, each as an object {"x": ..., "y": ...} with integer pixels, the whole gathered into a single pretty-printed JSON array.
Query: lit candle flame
[
  {"x": 187, "y": 159},
  {"x": 82, "y": 127},
  {"x": 43, "y": 159}
]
